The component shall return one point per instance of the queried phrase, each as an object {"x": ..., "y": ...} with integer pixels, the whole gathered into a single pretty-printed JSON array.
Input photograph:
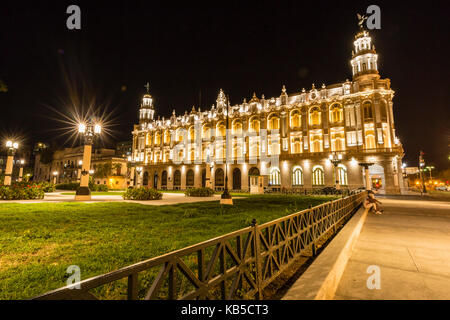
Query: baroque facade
[{"x": 352, "y": 120}]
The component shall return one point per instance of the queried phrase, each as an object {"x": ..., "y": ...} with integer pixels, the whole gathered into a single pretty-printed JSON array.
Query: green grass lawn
[{"x": 39, "y": 241}]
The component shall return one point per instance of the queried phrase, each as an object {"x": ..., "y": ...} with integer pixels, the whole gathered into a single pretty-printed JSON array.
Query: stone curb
[{"x": 320, "y": 281}]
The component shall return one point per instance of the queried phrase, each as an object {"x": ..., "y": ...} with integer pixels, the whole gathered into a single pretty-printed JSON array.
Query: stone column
[
  {"x": 9, "y": 169},
  {"x": 83, "y": 192},
  {"x": 132, "y": 176},
  {"x": 20, "y": 173},
  {"x": 208, "y": 183},
  {"x": 390, "y": 187}
]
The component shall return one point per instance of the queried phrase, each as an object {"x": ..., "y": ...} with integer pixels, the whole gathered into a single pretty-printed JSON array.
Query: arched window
[
  {"x": 148, "y": 139},
  {"x": 145, "y": 179},
  {"x": 316, "y": 142},
  {"x": 367, "y": 110},
  {"x": 337, "y": 139},
  {"x": 180, "y": 155},
  {"x": 383, "y": 111},
  {"x": 177, "y": 178},
  {"x": 295, "y": 119},
  {"x": 166, "y": 156},
  {"x": 191, "y": 133},
  {"x": 218, "y": 178},
  {"x": 254, "y": 125},
  {"x": 297, "y": 176},
  {"x": 237, "y": 127},
  {"x": 164, "y": 178},
  {"x": 336, "y": 113},
  {"x": 273, "y": 122},
  {"x": 370, "y": 140},
  {"x": 166, "y": 136},
  {"x": 190, "y": 178},
  {"x": 296, "y": 145},
  {"x": 221, "y": 129},
  {"x": 206, "y": 133},
  {"x": 314, "y": 116},
  {"x": 237, "y": 148},
  {"x": 342, "y": 174},
  {"x": 275, "y": 177},
  {"x": 180, "y": 134},
  {"x": 157, "y": 138},
  {"x": 254, "y": 147},
  {"x": 318, "y": 176}
]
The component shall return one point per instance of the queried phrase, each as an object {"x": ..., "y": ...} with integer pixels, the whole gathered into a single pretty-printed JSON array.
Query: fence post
[
  {"x": 257, "y": 247},
  {"x": 133, "y": 286},
  {"x": 313, "y": 245}
]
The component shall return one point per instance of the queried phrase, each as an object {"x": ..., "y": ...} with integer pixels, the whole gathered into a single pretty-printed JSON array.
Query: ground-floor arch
[{"x": 236, "y": 179}]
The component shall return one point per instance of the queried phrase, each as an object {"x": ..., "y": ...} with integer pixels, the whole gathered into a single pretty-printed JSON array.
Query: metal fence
[{"x": 238, "y": 265}]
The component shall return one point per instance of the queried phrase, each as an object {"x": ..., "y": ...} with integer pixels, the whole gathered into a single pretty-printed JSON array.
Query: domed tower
[
  {"x": 364, "y": 58},
  {"x": 147, "y": 111}
]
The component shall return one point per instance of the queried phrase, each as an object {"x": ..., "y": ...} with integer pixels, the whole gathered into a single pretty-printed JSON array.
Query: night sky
[{"x": 184, "y": 48}]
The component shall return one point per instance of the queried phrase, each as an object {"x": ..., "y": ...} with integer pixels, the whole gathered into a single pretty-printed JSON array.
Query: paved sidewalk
[
  {"x": 168, "y": 198},
  {"x": 410, "y": 243}
]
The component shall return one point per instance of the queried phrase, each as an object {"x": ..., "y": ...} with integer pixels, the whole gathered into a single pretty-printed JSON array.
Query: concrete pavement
[{"x": 410, "y": 243}]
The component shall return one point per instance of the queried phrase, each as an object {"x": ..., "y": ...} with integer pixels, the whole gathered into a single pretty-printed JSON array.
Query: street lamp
[
  {"x": 336, "y": 159},
  {"x": 421, "y": 166},
  {"x": 132, "y": 171},
  {"x": 429, "y": 168},
  {"x": 12, "y": 148},
  {"x": 209, "y": 167},
  {"x": 89, "y": 131},
  {"x": 22, "y": 162},
  {"x": 55, "y": 175},
  {"x": 226, "y": 198}
]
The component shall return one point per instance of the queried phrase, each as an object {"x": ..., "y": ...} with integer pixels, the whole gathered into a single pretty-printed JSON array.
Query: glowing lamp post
[
  {"x": 209, "y": 165},
  {"x": 12, "y": 148},
  {"x": 22, "y": 162},
  {"x": 226, "y": 198},
  {"x": 132, "y": 171},
  {"x": 89, "y": 131},
  {"x": 55, "y": 176},
  {"x": 336, "y": 159}
]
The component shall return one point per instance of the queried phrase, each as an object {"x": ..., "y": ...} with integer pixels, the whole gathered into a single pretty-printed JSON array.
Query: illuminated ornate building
[{"x": 352, "y": 120}]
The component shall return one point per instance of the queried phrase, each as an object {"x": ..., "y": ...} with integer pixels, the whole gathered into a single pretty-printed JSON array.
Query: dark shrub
[
  {"x": 67, "y": 186},
  {"x": 199, "y": 192},
  {"x": 21, "y": 192},
  {"x": 142, "y": 194},
  {"x": 47, "y": 186},
  {"x": 99, "y": 187}
]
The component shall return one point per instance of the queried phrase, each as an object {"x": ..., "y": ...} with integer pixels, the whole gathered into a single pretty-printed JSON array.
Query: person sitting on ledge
[{"x": 372, "y": 204}]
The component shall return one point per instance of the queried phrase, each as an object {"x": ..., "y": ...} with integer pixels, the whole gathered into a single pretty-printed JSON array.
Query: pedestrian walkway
[
  {"x": 410, "y": 243},
  {"x": 167, "y": 199}
]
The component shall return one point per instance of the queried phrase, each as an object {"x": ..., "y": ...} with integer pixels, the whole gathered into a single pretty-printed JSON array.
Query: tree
[{"x": 117, "y": 167}]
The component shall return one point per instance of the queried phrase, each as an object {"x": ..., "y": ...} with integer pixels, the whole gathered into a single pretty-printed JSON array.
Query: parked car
[{"x": 442, "y": 188}]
